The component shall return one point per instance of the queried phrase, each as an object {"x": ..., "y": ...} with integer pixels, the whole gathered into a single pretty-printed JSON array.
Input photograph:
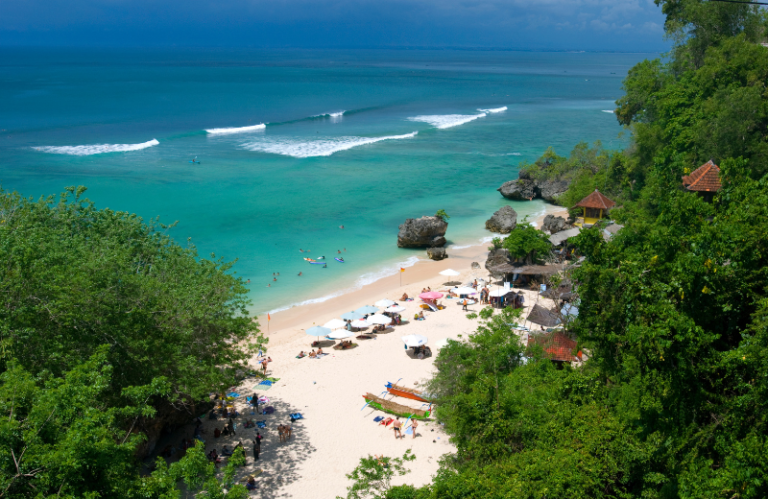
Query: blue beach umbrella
[
  {"x": 368, "y": 309},
  {"x": 318, "y": 331},
  {"x": 352, "y": 316}
]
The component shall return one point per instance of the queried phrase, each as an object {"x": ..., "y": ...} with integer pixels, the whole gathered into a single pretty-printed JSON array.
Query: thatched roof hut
[{"x": 543, "y": 317}]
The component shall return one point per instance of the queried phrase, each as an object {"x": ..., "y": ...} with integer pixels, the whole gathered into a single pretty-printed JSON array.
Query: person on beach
[
  {"x": 312, "y": 354},
  {"x": 404, "y": 297},
  {"x": 281, "y": 432},
  {"x": 251, "y": 483},
  {"x": 396, "y": 426},
  {"x": 414, "y": 425},
  {"x": 258, "y": 439},
  {"x": 475, "y": 284},
  {"x": 288, "y": 430},
  {"x": 302, "y": 354},
  {"x": 320, "y": 351}
]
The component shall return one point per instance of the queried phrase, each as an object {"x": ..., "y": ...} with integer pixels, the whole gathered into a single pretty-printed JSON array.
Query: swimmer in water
[
  {"x": 325, "y": 266},
  {"x": 341, "y": 226},
  {"x": 299, "y": 274},
  {"x": 339, "y": 251},
  {"x": 274, "y": 279},
  {"x": 269, "y": 285},
  {"x": 301, "y": 250},
  {"x": 249, "y": 281}
]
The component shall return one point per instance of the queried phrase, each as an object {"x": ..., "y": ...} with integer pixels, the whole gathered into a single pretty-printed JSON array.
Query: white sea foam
[
  {"x": 482, "y": 240},
  {"x": 494, "y": 110},
  {"x": 447, "y": 120},
  {"x": 88, "y": 150},
  {"x": 607, "y": 111},
  {"x": 312, "y": 148},
  {"x": 363, "y": 280},
  {"x": 337, "y": 114},
  {"x": 231, "y": 130}
]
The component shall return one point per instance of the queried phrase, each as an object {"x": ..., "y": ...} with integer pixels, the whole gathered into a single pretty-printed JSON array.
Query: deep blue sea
[{"x": 362, "y": 139}]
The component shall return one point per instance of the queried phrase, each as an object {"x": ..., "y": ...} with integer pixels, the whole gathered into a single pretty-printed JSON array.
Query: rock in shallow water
[
  {"x": 503, "y": 221},
  {"x": 422, "y": 232},
  {"x": 518, "y": 190}
]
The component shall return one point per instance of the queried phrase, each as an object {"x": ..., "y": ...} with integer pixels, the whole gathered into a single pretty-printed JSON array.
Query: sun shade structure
[
  {"x": 414, "y": 340},
  {"x": 368, "y": 309},
  {"x": 431, "y": 295},
  {"x": 351, "y": 316},
  {"x": 495, "y": 293},
  {"x": 705, "y": 178},
  {"x": 384, "y": 303},
  {"x": 335, "y": 324},
  {"x": 450, "y": 272},
  {"x": 395, "y": 309},
  {"x": 379, "y": 319},
  {"x": 595, "y": 202},
  {"x": 557, "y": 346},
  {"x": 543, "y": 317},
  {"x": 318, "y": 331},
  {"x": 340, "y": 334},
  {"x": 360, "y": 323}
]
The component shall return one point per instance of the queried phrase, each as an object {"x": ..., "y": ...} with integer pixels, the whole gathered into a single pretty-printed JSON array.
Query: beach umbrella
[
  {"x": 368, "y": 309},
  {"x": 360, "y": 323},
  {"x": 351, "y": 316},
  {"x": 318, "y": 331},
  {"x": 379, "y": 319},
  {"x": 340, "y": 334},
  {"x": 414, "y": 340},
  {"x": 385, "y": 303},
  {"x": 499, "y": 292},
  {"x": 450, "y": 272},
  {"x": 430, "y": 295},
  {"x": 395, "y": 309},
  {"x": 464, "y": 290},
  {"x": 335, "y": 324}
]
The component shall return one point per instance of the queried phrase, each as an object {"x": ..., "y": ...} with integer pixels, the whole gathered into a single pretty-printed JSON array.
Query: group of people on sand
[
  {"x": 311, "y": 354},
  {"x": 397, "y": 427}
]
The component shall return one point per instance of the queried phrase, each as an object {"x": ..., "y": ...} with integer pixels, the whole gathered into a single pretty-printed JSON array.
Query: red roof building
[
  {"x": 557, "y": 346},
  {"x": 596, "y": 201},
  {"x": 705, "y": 178}
]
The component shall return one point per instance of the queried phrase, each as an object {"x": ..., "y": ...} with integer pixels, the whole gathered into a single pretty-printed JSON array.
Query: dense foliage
[
  {"x": 103, "y": 321},
  {"x": 673, "y": 401},
  {"x": 527, "y": 243}
]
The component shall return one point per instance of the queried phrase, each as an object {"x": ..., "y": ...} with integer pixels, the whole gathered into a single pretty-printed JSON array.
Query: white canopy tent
[{"x": 414, "y": 340}]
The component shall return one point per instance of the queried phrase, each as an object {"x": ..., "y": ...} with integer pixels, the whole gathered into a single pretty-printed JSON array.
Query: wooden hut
[
  {"x": 593, "y": 205},
  {"x": 704, "y": 180},
  {"x": 543, "y": 317},
  {"x": 558, "y": 347}
]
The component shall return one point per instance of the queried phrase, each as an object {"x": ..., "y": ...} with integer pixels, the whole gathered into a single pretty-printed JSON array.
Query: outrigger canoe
[
  {"x": 396, "y": 409},
  {"x": 408, "y": 393},
  {"x": 309, "y": 260}
]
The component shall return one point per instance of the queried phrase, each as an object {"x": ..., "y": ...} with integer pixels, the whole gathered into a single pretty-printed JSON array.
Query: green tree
[
  {"x": 527, "y": 243},
  {"x": 442, "y": 215},
  {"x": 373, "y": 476}
]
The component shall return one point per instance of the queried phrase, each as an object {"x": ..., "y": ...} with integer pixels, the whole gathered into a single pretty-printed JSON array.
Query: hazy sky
[{"x": 615, "y": 25}]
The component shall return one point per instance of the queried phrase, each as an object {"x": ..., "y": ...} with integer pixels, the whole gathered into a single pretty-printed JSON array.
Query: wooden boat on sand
[
  {"x": 408, "y": 393},
  {"x": 394, "y": 408}
]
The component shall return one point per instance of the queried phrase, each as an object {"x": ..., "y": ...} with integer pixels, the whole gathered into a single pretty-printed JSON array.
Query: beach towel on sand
[
  {"x": 296, "y": 415},
  {"x": 320, "y": 356},
  {"x": 266, "y": 382},
  {"x": 273, "y": 380},
  {"x": 261, "y": 424},
  {"x": 233, "y": 394},
  {"x": 377, "y": 419}
]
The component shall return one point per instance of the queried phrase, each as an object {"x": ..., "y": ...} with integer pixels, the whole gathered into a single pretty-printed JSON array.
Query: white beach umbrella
[
  {"x": 384, "y": 303},
  {"x": 335, "y": 324},
  {"x": 379, "y": 319},
  {"x": 340, "y": 334},
  {"x": 464, "y": 290},
  {"x": 367, "y": 309},
  {"x": 360, "y": 323},
  {"x": 449, "y": 272},
  {"x": 395, "y": 309},
  {"x": 414, "y": 340},
  {"x": 318, "y": 331},
  {"x": 352, "y": 316}
]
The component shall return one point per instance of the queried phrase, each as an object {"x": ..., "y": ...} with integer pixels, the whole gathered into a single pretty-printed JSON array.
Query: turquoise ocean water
[{"x": 362, "y": 139}]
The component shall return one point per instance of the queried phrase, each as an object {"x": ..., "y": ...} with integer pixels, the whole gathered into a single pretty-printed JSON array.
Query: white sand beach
[{"x": 336, "y": 431}]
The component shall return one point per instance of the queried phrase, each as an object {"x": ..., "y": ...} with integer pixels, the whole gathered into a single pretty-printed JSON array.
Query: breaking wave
[
  {"x": 494, "y": 110},
  {"x": 88, "y": 150},
  {"x": 231, "y": 130},
  {"x": 321, "y": 147},
  {"x": 607, "y": 111},
  {"x": 447, "y": 120}
]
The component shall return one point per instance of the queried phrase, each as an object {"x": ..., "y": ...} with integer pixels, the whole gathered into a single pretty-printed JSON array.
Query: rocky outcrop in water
[
  {"x": 437, "y": 253},
  {"x": 424, "y": 232},
  {"x": 553, "y": 224},
  {"x": 518, "y": 190},
  {"x": 526, "y": 188},
  {"x": 503, "y": 221}
]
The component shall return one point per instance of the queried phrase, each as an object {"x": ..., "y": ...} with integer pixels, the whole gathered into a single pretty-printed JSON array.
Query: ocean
[{"x": 290, "y": 145}]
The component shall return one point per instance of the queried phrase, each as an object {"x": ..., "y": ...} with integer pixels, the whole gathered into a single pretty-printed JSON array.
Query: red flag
[
  {"x": 402, "y": 269},
  {"x": 269, "y": 318}
]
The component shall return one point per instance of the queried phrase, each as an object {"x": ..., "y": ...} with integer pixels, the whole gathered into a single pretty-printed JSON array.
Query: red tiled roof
[
  {"x": 556, "y": 345},
  {"x": 596, "y": 200},
  {"x": 705, "y": 178}
]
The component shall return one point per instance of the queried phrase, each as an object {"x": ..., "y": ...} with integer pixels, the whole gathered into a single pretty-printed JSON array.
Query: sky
[{"x": 601, "y": 25}]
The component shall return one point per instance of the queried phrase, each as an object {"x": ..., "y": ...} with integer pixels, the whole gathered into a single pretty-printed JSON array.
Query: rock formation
[
  {"x": 437, "y": 253},
  {"x": 503, "y": 221},
  {"x": 518, "y": 190},
  {"x": 475, "y": 265},
  {"x": 497, "y": 257},
  {"x": 424, "y": 232},
  {"x": 526, "y": 188},
  {"x": 553, "y": 224}
]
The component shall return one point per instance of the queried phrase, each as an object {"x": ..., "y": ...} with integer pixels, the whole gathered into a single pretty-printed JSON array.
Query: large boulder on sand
[
  {"x": 553, "y": 224},
  {"x": 424, "y": 232},
  {"x": 503, "y": 221},
  {"x": 522, "y": 189},
  {"x": 497, "y": 257},
  {"x": 437, "y": 253}
]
